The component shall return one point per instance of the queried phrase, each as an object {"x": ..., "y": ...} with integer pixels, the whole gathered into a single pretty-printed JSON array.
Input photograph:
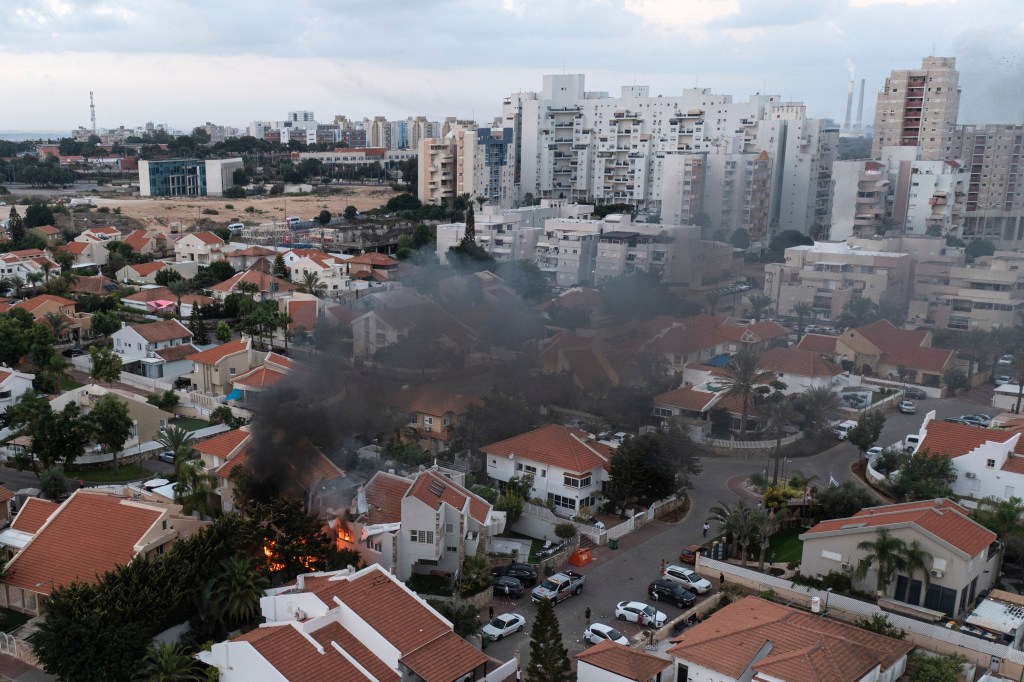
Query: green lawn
[
  {"x": 190, "y": 423},
  {"x": 9, "y": 620},
  {"x": 124, "y": 473},
  {"x": 786, "y": 545}
]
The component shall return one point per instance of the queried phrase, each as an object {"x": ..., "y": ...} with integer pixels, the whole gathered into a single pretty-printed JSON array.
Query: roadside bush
[
  {"x": 565, "y": 530},
  {"x": 166, "y": 401},
  {"x": 210, "y": 211}
]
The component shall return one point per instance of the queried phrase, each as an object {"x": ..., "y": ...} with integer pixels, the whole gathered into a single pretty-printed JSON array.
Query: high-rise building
[
  {"x": 468, "y": 160},
  {"x": 994, "y": 206},
  {"x": 918, "y": 108}
]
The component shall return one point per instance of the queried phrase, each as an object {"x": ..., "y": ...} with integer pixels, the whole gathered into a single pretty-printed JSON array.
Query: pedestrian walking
[
  {"x": 490, "y": 613},
  {"x": 586, "y": 614},
  {"x": 721, "y": 579},
  {"x": 707, "y": 527},
  {"x": 506, "y": 590}
]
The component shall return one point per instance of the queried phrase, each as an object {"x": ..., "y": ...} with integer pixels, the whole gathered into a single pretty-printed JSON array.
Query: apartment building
[
  {"x": 994, "y": 207},
  {"x": 986, "y": 294},
  {"x": 829, "y": 274},
  {"x": 918, "y": 108},
  {"x": 468, "y": 160},
  {"x": 859, "y": 192},
  {"x": 682, "y": 193},
  {"x": 737, "y": 193}
]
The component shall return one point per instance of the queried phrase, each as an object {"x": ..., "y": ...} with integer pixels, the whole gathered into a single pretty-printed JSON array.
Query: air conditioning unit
[
  {"x": 300, "y": 614},
  {"x": 847, "y": 566},
  {"x": 936, "y": 573},
  {"x": 970, "y": 474}
]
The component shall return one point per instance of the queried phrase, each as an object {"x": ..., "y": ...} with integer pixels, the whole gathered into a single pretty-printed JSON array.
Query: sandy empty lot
[{"x": 153, "y": 211}]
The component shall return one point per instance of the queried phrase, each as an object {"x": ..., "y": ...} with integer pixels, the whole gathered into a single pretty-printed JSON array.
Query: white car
[
  {"x": 1003, "y": 380},
  {"x": 598, "y": 632},
  {"x": 505, "y": 624},
  {"x": 639, "y": 612},
  {"x": 1006, "y": 360},
  {"x": 873, "y": 452},
  {"x": 691, "y": 580}
]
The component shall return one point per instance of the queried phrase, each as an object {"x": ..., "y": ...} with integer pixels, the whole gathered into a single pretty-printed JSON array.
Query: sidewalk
[{"x": 15, "y": 669}]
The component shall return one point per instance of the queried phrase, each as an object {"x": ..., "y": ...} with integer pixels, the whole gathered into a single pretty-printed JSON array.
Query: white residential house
[
  {"x": 332, "y": 269},
  {"x": 13, "y": 385},
  {"x": 158, "y": 350},
  {"x": 24, "y": 262},
  {"x": 200, "y": 247},
  {"x": 86, "y": 252},
  {"x": 613, "y": 662},
  {"x": 568, "y": 466}
]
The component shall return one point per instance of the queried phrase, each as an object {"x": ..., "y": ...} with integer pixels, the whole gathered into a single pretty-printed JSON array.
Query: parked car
[
  {"x": 907, "y": 407},
  {"x": 1003, "y": 379},
  {"x": 599, "y": 632},
  {"x": 72, "y": 352},
  {"x": 873, "y": 452},
  {"x": 976, "y": 419},
  {"x": 688, "y": 555},
  {"x": 673, "y": 593},
  {"x": 842, "y": 429},
  {"x": 1006, "y": 360},
  {"x": 954, "y": 420},
  {"x": 505, "y": 624},
  {"x": 559, "y": 587},
  {"x": 166, "y": 456},
  {"x": 507, "y": 586},
  {"x": 639, "y": 612},
  {"x": 691, "y": 580},
  {"x": 524, "y": 572},
  {"x": 913, "y": 393}
]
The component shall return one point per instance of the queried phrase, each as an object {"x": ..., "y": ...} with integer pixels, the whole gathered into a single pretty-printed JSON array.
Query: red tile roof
[
  {"x": 265, "y": 282},
  {"x": 334, "y": 632},
  {"x": 164, "y": 330},
  {"x": 804, "y": 363},
  {"x": 196, "y": 299},
  {"x": 445, "y": 655},
  {"x": 225, "y": 470},
  {"x": 946, "y": 521},
  {"x": 259, "y": 378},
  {"x": 205, "y": 237},
  {"x": 212, "y": 356},
  {"x": 77, "y": 248},
  {"x": 296, "y": 658},
  {"x": 151, "y": 294},
  {"x": 801, "y": 647},
  {"x": 36, "y": 301},
  {"x": 106, "y": 229},
  {"x": 145, "y": 269},
  {"x": 929, "y": 359},
  {"x": 33, "y": 515},
  {"x": 252, "y": 251},
  {"x": 373, "y": 259},
  {"x": 89, "y": 535},
  {"x": 303, "y": 314},
  {"x": 5, "y": 494},
  {"x": 223, "y": 444},
  {"x": 621, "y": 660},
  {"x": 450, "y": 493},
  {"x": 432, "y": 401},
  {"x": 555, "y": 445},
  {"x": 384, "y": 495},
  {"x": 47, "y": 229},
  {"x": 686, "y": 398},
  {"x": 954, "y": 440},
  {"x": 819, "y": 343},
  {"x": 176, "y": 353},
  {"x": 887, "y": 337}
]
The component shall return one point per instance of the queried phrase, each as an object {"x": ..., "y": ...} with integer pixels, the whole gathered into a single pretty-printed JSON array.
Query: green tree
[
  {"x": 549, "y": 659},
  {"x": 170, "y": 662},
  {"x": 843, "y": 500},
  {"x": 740, "y": 238},
  {"x": 280, "y": 268},
  {"x": 885, "y": 554},
  {"x": 111, "y": 424},
  {"x": 324, "y": 217},
  {"x": 235, "y": 191},
  {"x": 955, "y": 380},
  {"x": 880, "y": 625},
  {"x": 925, "y": 667},
  {"x": 175, "y": 439},
  {"x": 194, "y": 487},
  {"x": 311, "y": 284},
  {"x": 105, "y": 322},
  {"x": 351, "y": 212},
  {"x": 475, "y": 576},
  {"x": 106, "y": 364},
  {"x": 818, "y": 405},
  {"x": 514, "y": 495},
  {"x": 463, "y": 615},
  {"x": 223, "y": 332},
  {"x": 915, "y": 560},
  {"x": 759, "y": 305},
  {"x": 779, "y": 414},
  {"x": 711, "y": 300},
  {"x": 165, "y": 276},
  {"x": 732, "y": 520},
  {"x": 235, "y": 592},
  {"x": 37, "y": 215},
  {"x": 15, "y": 227},
  {"x": 219, "y": 271},
  {"x": 179, "y": 288},
  {"x": 867, "y": 431},
  {"x": 742, "y": 377},
  {"x": 923, "y": 476},
  {"x": 765, "y": 524},
  {"x": 858, "y": 312},
  {"x": 1002, "y": 517},
  {"x": 197, "y": 325},
  {"x": 52, "y": 484},
  {"x": 977, "y": 248},
  {"x": 784, "y": 240},
  {"x": 14, "y": 341},
  {"x": 56, "y": 436}
]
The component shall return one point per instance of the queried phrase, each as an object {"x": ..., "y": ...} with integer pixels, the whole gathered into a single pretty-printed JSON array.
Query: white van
[
  {"x": 911, "y": 443},
  {"x": 236, "y": 227},
  {"x": 842, "y": 429},
  {"x": 293, "y": 220}
]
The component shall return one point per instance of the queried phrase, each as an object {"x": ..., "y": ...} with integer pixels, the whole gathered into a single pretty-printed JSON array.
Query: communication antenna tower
[{"x": 92, "y": 112}]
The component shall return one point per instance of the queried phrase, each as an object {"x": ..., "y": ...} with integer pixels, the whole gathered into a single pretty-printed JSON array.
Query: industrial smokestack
[
  {"x": 860, "y": 108},
  {"x": 849, "y": 107}
]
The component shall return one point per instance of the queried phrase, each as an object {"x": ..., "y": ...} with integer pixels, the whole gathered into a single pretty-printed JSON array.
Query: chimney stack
[
  {"x": 849, "y": 107},
  {"x": 860, "y": 109}
]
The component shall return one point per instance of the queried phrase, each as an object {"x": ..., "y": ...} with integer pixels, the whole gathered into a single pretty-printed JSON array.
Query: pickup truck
[{"x": 558, "y": 587}]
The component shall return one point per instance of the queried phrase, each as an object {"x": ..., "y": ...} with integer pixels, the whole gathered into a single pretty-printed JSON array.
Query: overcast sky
[{"x": 184, "y": 62}]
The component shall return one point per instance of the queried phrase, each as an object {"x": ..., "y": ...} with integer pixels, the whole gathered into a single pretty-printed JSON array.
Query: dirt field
[{"x": 152, "y": 211}]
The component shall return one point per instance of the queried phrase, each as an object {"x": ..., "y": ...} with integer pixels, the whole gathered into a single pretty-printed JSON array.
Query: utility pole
[{"x": 92, "y": 112}]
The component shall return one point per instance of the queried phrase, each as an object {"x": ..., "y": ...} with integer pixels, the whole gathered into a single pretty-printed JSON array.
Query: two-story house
[
  {"x": 79, "y": 325},
  {"x": 961, "y": 556},
  {"x": 433, "y": 414},
  {"x": 378, "y": 267},
  {"x": 569, "y": 468},
  {"x": 881, "y": 349},
  {"x": 199, "y": 247},
  {"x": 156, "y": 350},
  {"x": 24, "y": 262},
  {"x": 248, "y": 387},
  {"x": 797, "y": 368},
  {"x": 246, "y": 258},
  {"x": 215, "y": 369},
  {"x": 148, "y": 242},
  {"x": 268, "y": 286},
  {"x": 13, "y": 385},
  {"x": 140, "y": 273},
  {"x": 48, "y": 233},
  {"x": 86, "y": 253},
  {"x": 332, "y": 269}
]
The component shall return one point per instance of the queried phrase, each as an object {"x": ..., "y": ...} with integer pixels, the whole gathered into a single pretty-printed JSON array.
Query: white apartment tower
[
  {"x": 918, "y": 108},
  {"x": 994, "y": 206}
]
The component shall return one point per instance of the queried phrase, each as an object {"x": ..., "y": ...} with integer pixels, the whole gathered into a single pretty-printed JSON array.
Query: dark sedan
[
  {"x": 524, "y": 572},
  {"x": 673, "y": 593},
  {"x": 507, "y": 586}
]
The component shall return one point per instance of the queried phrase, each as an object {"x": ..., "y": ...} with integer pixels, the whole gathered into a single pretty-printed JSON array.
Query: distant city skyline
[{"x": 189, "y": 62}]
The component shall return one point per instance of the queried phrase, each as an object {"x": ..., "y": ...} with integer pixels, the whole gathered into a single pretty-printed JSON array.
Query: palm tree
[
  {"x": 780, "y": 414},
  {"x": 58, "y": 323},
  {"x": 33, "y": 278},
  {"x": 765, "y": 525},
  {"x": 858, "y": 312},
  {"x": 5, "y": 286},
  {"x": 742, "y": 377},
  {"x": 759, "y": 305},
  {"x": 886, "y": 551},
  {"x": 194, "y": 486},
  {"x": 818, "y": 405},
  {"x": 802, "y": 310},
  {"x": 179, "y": 288},
  {"x": 56, "y": 366},
  {"x": 169, "y": 662},
  {"x": 916, "y": 559},
  {"x": 311, "y": 284},
  {"x": 174, "y": 438},
  {"x": 47, "y": 268},
  {"x": 18, "y": 284},
  {"x": 1002, "y": 517},
  {"x": 236, "y": 590},
  {"x": 731, "y": 520}
]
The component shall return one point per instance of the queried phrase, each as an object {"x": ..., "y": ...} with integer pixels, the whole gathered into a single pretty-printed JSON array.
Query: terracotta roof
[
  {"x": 196, "y": 299},
  {"x": 26, "y": 253},
  {"x": 106, "y": 229},
  {"x": 555, "y": 445},
  {"x": 229, "y": 466},
  {"x": 686, "y": 398},
  {"x": 223, "y": 444},
  {"x": 448, "y": 492},
  {"x": 447, "y": 654},
  {"x": 356, "y": 649},
  {"x": 77, "y": 248},
  {"x": 933, "y": 359},
  {"x": 151, "y": 294},
  {"x": 212, "y": 356},
  {"x": 145, "y": 269},
  {"x": 138, "y": 239},
  {"x": 266, "y": 283},
  {"x": 179, "y": 352},
  {"x": 431, "y": 400},
  {"x": 97, "y": 284},
  {"x": 164, "y": 330},
  {"x": 303, "y": 314},
  {"x": 47, "y": 229},
  {"x": 801, "y": 647},
  {"x": 384, "y": 495},
  {"x": 887, "y": 337},
  {"x": 623, "y": 661},
  {"x": 252, "y": 251},
  {"x": 801, "y": 362},
  {"x": 819, "y": 343},
  {"x": 5, "y": 494},
  {"x": 36, "y": 301},
  {"x": 946, "y": 521},
  {"x": 373, "y": 259},
  {"x": 273, "y": 358},
  {"x": 33, "y": 514},
  {"x": 205, "y": 237},
  {"x": 323, "y": 470},
  {"x": 296, "y": 658},
  {"x": 259, "y": 378},
  {"x": 89, "y": 535},
  {"x": 955, "y": 440}
]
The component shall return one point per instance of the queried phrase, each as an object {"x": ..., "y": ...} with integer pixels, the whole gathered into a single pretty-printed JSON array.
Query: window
[
  {"x": 529, "y": 469},
  {"x": 571, "y": 482},
  {"x": 990, "y": 463},
  {"x": 413, "y": 418},
  {"x": 424, "y": 536},
  {"x": 445, "y": 421},
  {"x": 563, "y": 502},
  {"x": 5, "y": 395},
  {"x": 452, "y": 549},
  {"x": 448, "y": 528},
  {"x": 428, "y": 421}
]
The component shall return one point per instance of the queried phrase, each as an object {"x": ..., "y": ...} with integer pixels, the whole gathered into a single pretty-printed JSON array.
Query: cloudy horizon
[{"x": 187, "y": 62}]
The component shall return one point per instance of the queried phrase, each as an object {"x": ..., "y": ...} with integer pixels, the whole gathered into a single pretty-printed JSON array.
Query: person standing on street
[
  {"x": 721, "y": 580},
  {"x": 490, "y": 613},
  {"x": 707, "y": 527},
  {"x": 586, "y": 614}
]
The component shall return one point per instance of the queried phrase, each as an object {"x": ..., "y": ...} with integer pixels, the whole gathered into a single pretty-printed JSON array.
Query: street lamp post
[{"x": 827, "y": 593}]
